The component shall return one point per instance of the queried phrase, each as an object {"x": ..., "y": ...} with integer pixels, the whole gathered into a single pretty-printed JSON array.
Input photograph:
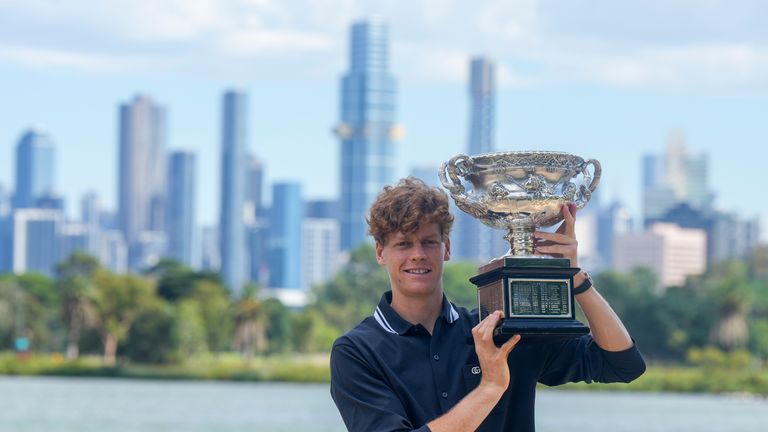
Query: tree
[
  {"x": 250, "y": 334},
  {"x": 214, "y": 308},
  {"x": 457, "y": 286},
  {"x": 732, "y": 289},
  {"x": 74, "y": 282},
  {"x": 278, "y": 325},
  {"x": 117, "y": 300},
  {"x": 354, "y": 291}
]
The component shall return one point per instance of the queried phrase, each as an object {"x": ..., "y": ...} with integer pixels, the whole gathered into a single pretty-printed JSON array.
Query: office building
[
  {"x": 36, "y": 240},
  {"x": 285, "y": 236},
  {"x": 673, "y": 253},
  {"x": 367, "y": 129},
  {"x": 181, "y": 206},
  {"x": 142, "y": 172},
  {"x": 35, "y": 168},
  {"x": 232, "y": 240},
  {"x": 474, "y": 241},
  {"x": 321, "y": 250},
  {"x": 675, "y": 177}
]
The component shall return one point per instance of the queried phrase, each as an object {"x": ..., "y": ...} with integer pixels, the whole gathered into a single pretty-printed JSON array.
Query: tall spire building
[
  {"x": 367, "y": 130},
  {"x": 142, "y": 174},
  {"x": 231, "y": 226},
  {"x": 476, "y": 241}
]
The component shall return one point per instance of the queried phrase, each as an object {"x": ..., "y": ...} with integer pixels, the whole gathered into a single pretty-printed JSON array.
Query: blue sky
[{"x": 602, "y": 79}]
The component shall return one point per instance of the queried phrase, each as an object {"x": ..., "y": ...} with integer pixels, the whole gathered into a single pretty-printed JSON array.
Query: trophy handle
[
  {"x": 451, "y": 167},
  {"x": 585, "y": 192}
]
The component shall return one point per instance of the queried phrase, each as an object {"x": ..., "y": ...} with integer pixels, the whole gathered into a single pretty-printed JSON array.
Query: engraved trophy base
[{"x": 535, "y": 295}]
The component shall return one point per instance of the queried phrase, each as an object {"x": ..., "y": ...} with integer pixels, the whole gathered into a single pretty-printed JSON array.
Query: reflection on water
[{"x": 107, "y": 405}]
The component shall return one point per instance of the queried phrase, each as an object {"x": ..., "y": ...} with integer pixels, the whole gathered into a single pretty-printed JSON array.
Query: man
[{"x": 408, "y": 367}]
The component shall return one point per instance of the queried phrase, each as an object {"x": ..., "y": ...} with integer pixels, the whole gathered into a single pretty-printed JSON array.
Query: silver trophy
[{"x": 520, "y": 192}]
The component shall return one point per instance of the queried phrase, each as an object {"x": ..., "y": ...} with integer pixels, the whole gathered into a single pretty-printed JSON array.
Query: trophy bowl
[{"x": 519, "y": 191}]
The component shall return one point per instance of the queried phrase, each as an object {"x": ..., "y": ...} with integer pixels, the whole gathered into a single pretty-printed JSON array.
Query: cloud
[
  {"x": 535, "y": 42},
  {"x": 39, "y": 58},
  {"x": 682, "y": 67}
]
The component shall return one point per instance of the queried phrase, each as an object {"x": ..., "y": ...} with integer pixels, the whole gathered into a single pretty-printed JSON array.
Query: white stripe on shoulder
[
  {"x": 382, "y": 321},
  {"x": 454, "y": 314}
]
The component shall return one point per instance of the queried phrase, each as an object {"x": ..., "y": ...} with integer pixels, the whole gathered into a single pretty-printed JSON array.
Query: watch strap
[{"x": 587, "y": 284}]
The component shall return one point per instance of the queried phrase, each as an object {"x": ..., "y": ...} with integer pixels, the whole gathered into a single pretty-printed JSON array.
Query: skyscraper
[
  {"x": 367, "y": 130},
  {"x": 34, "y": 168},
  {"x": 142, "y": 172},
  {"x": 285, "y": 239},
  {"x": 475, "y": 241},
  {"x": 232, "y": 229},
  {"x": 36, "y": 240},
  {"x": 674, "y": 177},
  {"x": 181, "y": 206}
]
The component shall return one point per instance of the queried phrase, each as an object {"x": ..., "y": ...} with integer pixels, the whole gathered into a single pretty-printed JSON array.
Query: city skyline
[{"x": 708, "y": 81}]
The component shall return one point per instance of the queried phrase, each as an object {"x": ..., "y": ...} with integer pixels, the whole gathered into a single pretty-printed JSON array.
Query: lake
[{"x": 45, "y": 404}]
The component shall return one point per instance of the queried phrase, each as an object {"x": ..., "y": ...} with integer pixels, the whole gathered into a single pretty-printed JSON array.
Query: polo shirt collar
[{"x": 393, "y": 323}]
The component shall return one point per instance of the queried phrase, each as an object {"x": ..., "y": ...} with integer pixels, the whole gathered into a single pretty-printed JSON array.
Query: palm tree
[
  {"x": 732, "y": 289},
  {"x": 74, "y": 283},
  {"x": 250, "y": 332}
]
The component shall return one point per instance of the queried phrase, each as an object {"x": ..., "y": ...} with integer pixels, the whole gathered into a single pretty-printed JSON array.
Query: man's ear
[
  {"x": 379, "y": 251},
  {"x": 447, "y": 255}
]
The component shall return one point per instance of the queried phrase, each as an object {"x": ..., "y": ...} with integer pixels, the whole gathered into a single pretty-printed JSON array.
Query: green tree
[
  {"x": 190, "y": 329},
  {"x": 278, "y": 319},
  {"x": 214, "y": 309},
  {"x": 117, "y": 300},
  {"x": 12, "y": 320},
  {"x": 354, "y": 291},
  {"x": 732, "y": 289},
  {"x": 250, "y": 333},
  {"x": 457, "y": 286},
  {"x": 74, "y": 283},
  {"x": 152, "y": 337}
]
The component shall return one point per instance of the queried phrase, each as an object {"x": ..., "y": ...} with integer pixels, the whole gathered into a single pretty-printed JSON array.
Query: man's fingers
[
  {"x": 484, "y": 330},
  {"x": 510, "y": 344},
  {"x": 554, "y": 237},
  {"x": 555, "y": 249}
]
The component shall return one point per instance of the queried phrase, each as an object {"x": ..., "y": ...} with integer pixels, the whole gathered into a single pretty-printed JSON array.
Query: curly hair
[{"x": 403, "y": 207}]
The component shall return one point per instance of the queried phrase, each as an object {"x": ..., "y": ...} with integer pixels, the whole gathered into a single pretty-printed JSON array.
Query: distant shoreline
[{"x": 314, "y": 369}]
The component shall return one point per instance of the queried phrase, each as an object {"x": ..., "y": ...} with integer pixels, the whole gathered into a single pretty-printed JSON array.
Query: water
[{"x": 32, "y": 404}]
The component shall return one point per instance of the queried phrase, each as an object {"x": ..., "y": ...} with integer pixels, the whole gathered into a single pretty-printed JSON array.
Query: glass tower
[
  {"x": 367, "y": 130},
  {"x": 181, "y": 206},
  {"x": 475, "y": 241},
  {"x": 34, "y": 168},
  {"x": 231, "y": 226},
  {"x": 285, "y": 239},
  {"x": 142, "y": 172}
]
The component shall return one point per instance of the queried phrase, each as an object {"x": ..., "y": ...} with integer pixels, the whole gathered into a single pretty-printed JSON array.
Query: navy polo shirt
[{"x": 390, "y": 375}]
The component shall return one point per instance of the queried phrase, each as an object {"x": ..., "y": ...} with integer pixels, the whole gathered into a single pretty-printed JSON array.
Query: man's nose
[{"x": 417, "y": 252}]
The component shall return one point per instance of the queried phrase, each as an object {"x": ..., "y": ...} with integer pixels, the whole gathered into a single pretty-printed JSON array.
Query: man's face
[{"x": 415, "y": 261}]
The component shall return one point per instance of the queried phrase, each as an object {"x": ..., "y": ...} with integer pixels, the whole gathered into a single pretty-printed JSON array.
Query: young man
[{"x": 408, "y": 367}]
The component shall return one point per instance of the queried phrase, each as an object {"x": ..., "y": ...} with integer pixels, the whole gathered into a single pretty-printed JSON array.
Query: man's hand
[
  {"x": 493, "y": 359},
  {"x": 470, "y": 412},
  {"x": 562, "y": 243}
]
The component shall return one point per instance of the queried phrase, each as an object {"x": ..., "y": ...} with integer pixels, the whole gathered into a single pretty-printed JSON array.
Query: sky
[{"x": 601, "y": 79}]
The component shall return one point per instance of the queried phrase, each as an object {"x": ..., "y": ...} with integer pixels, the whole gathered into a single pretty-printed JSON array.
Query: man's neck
[{"x": 419, "y": 310}]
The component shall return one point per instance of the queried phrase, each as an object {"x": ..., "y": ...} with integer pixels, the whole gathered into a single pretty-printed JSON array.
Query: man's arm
[
  {"x": 471, "y": 411},
  {"x": 607, "y": 329}
]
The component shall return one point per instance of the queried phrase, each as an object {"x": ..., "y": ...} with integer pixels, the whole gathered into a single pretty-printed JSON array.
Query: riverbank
[{"x": 314, "y": 369}]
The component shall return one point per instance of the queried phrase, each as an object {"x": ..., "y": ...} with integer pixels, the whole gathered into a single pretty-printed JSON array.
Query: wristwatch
[{"x": 587, "y": 284}]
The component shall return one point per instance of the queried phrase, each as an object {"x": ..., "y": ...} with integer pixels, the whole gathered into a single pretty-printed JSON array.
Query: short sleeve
[{"x": 365, "y": 401}]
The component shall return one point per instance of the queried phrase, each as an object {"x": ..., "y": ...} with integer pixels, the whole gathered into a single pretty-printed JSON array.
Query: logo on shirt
[{"x": 476, "y": 370}]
